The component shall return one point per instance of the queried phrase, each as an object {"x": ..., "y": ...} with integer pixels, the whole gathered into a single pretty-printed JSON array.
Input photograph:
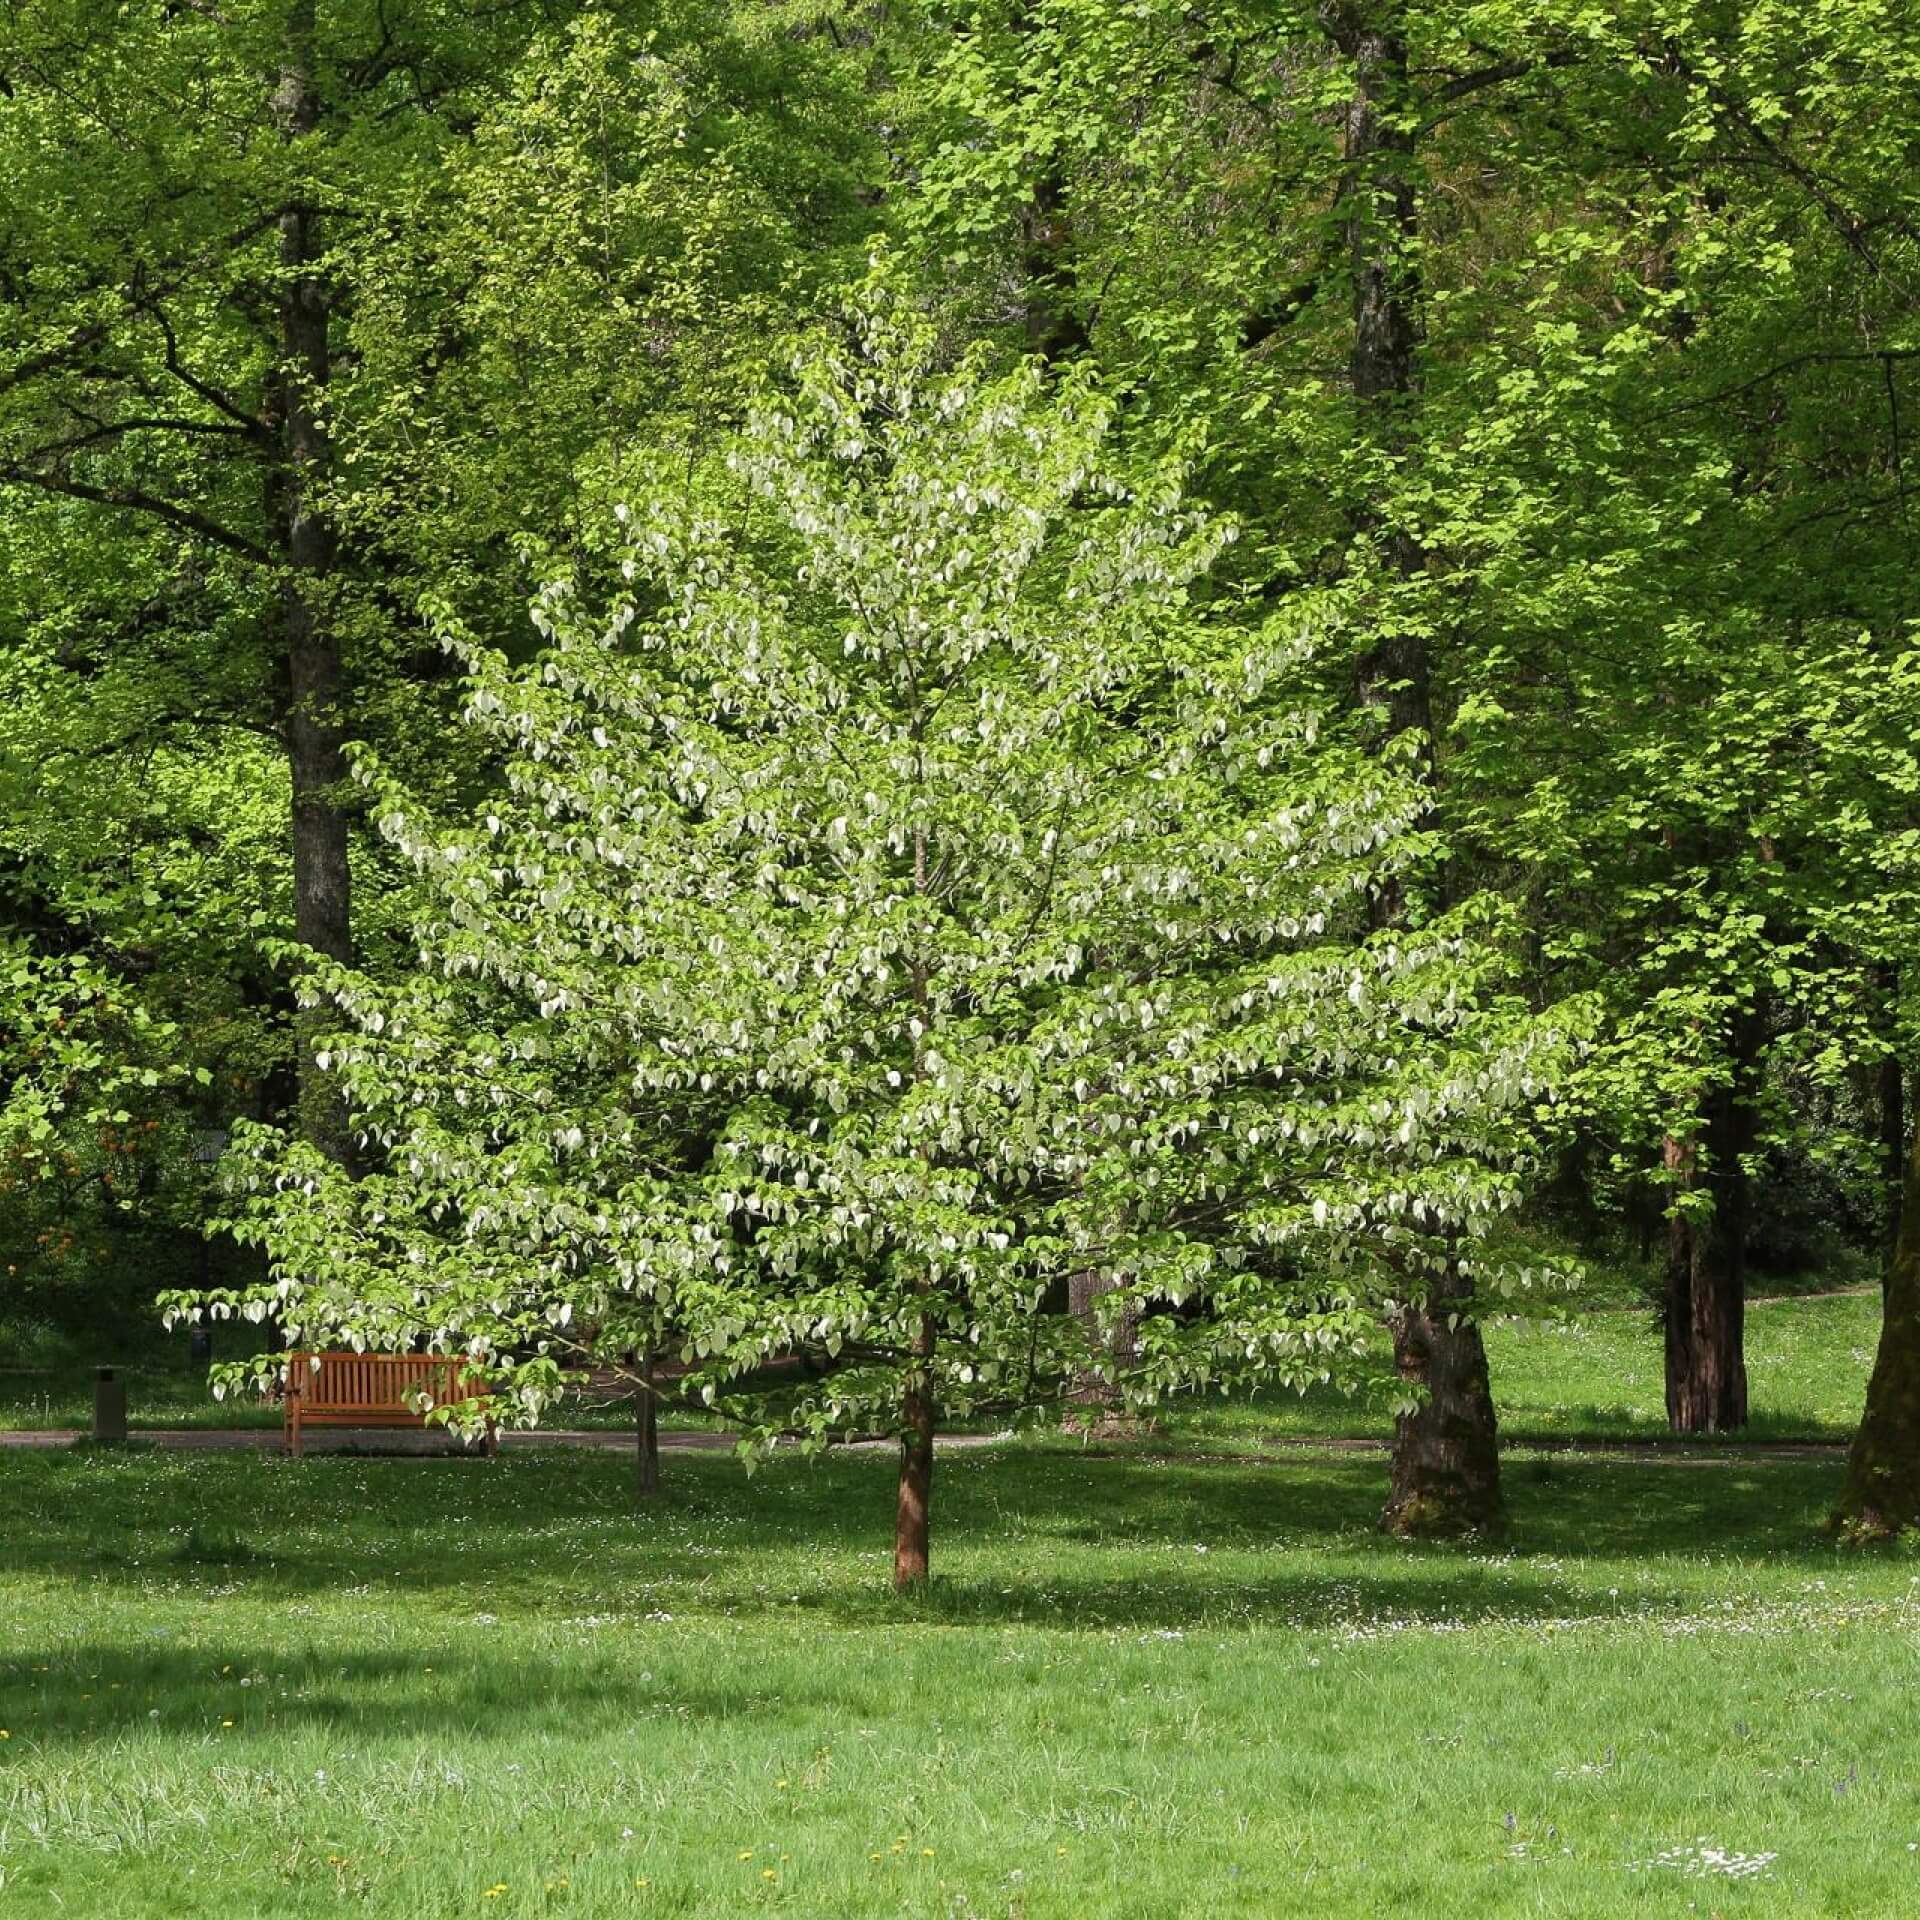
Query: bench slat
[{"x": 372, "y": 1389}]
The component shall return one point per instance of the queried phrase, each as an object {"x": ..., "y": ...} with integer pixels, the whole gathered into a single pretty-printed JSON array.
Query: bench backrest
[{"x": 377, "y": 1379}]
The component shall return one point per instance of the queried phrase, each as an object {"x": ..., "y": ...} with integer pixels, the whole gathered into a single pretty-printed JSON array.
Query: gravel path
[
  {"x": 387, "y": 1441},
  {"x": 354, "y": 1440}
]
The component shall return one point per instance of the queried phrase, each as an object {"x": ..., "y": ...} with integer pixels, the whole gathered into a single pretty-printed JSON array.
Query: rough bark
[
  {"x": 1893, "y": 1146},
  {"x": 1706, "y": 1257},
  {"x": 1446, "y": 1460},
  {"x": 1095, "y": 1396},
  {"x": 315, "y": 682},
  {"x": 1882, "y": 1491},
  {"x": 1892, "y": 1103},
  {"x": 1705, "y": 1313},
  {"x": 1445, "y": 1476},
  {"x": 911, "y": 1530}
]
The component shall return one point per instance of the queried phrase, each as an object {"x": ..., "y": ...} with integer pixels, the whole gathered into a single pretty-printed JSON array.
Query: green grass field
[
  {"x": 165, "y": 1392},
  {"x": 1596, "y": 1376},
  {"x": 1141, "y": 1685},
  {"x": 1601, "y": 1377},
  {"x": 236, "y": 1686}
]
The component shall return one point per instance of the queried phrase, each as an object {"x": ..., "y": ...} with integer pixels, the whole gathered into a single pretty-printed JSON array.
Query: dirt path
[
  {"x": 1666, "y": 1453},
  {"x": 354, "y": 1440},
  {"x": 1652, "y": 1306},
  {"x": 404, "y": 1445}
]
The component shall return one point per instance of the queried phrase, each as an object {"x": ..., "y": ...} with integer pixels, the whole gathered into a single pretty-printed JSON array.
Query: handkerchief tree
[{"x": 920, "y": 890}]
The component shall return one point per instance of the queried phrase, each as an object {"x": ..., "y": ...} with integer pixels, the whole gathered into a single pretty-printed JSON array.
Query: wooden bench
[{"x": 373, "y": 1390}]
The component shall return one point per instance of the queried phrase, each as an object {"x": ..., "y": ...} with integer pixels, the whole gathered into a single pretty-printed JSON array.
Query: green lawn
[
  {"x": 163, "y": 1391},
  {"x": 1599, "y": 1376},
  {"x": 1807, "y": 1367},
  {"x": 236, "y": 1686},
  {"x": 1602, "y": 1377}
]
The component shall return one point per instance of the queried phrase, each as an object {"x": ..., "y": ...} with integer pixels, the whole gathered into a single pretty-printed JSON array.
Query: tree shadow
[
  {"x": 1588, "y": 1507},
  {"x": 1023, "y": 1538},
  {"x": 74, "y": 1695}
]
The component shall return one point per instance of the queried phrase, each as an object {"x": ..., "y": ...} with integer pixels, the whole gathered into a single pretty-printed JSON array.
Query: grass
[
  {"x": 1602, "y": 1377},
  {"x": 235, "y": 1686},
  {"x": 1598, "y": 1376},
  {"x": 167, "y": 1392}
]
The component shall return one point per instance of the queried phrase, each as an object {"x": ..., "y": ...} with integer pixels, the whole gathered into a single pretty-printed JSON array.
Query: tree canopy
[{"x": 1352, "y": 575}]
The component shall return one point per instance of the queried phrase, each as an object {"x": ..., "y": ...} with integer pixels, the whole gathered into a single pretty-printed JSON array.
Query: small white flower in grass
[{"x": 1703, "y": 1860}]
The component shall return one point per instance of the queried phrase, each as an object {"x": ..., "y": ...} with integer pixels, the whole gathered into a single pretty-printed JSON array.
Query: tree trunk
[
  {"x": 1445, "y": 1476},
  {"x": 912, "y": 1511},
  {"x": 1893, "y": 1149},
  {"x": 316, "y": 714},
  {"x": 647, "y": 1423},
  {"x": 1096, "y": 1396},
  {"x": 1882, "y": 1492},
  {"x": 1706, "y": 1257},
  {"x": 1054, "y": 328},
  {"x": 1893, "y": 1118},
  {"x": 1705, "y": 1314},
  {"x": 1446, "y": 1462},
  {"x": 911, "y": 1516},
  {"x": 1055, "y": 331}
]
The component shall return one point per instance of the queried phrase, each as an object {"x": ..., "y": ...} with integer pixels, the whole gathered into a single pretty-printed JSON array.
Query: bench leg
[
  {"x": 493, "y": 1441},
  {"x": 295, "y": 1424}
]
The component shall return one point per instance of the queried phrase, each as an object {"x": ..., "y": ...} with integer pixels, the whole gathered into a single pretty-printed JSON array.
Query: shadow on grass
[
  {"x": 1023, "y": 1539},
  {"x": 73, "y": 1696}
]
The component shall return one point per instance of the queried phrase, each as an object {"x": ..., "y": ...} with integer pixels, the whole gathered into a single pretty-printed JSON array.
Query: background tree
[
  {"x": 1554, "y": 362},
  {"x": 1605, "y": 438},
  {"x": 301, "y": 309}
]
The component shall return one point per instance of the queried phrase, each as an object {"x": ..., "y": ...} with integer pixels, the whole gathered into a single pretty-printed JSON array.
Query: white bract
[{"x": 921, "y": 888}]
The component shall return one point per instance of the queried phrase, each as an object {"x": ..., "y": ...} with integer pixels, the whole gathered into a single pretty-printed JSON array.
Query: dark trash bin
[{"x": 109, "y": 1404}]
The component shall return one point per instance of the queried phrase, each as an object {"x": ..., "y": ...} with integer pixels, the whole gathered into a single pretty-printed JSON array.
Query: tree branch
[
  {"x": 1813, "y": 356},
  {"x": 133, "y": 500},
  {"x": 1259, "y": 327},
  {"x": 142, "y": 423},
  {"x": 140, "y": 298},
  {"x": 212, "y": 395},
  {"x": 1463, "y": 85}
]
